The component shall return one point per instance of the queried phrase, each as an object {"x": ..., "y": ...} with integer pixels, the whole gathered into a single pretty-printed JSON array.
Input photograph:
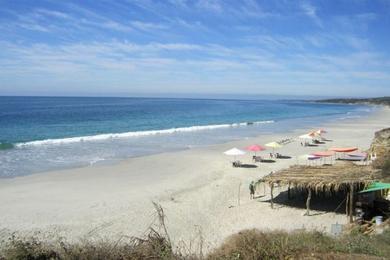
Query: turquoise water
[{"x": 47, "y": 133}]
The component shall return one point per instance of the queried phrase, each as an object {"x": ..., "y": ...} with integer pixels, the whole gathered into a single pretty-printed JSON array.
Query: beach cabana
[
  {"x": 343, "y": 150},
  {"x": 345, "y": 176}
]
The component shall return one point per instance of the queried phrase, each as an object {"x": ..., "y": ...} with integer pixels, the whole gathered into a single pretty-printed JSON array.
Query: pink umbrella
[{"x": 255, "y": 148}]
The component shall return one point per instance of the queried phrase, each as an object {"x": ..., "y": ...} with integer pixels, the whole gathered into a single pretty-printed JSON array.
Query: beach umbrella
[
  {"x": 234, "y": 152},
  {"x": 321, "y": 131},
  {"x": 306, "y": 136},
  {"x": 255, "y": 148},
  {"x": 274, "y": 145}
]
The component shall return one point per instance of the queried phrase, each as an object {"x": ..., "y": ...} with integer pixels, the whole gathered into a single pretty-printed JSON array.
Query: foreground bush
[
  {"x": 153, "y": 247},
  {"x": 254, "y": 244},
  {"x": 248, "y": 244}
]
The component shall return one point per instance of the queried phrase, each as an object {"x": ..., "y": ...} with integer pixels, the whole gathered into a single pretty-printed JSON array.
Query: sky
[{"x": 195, "y": 47}]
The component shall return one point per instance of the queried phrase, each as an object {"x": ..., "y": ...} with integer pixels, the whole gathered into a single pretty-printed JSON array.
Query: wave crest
[{"x": 102, "y": 137}]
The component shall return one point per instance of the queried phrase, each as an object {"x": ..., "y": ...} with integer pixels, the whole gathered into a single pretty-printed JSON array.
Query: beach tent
[
  {"x": 234, "y": 152},
  {"x": 375, "y": 186},
  {"x": 255, "y": 148}
]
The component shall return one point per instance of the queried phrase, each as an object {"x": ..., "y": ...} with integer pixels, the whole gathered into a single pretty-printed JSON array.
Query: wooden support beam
[
  {"x": 288, "y": 192},
  {"x": 272, "y": 195},
  {"x": 308, "y": 203},
  {"x": 347, "y": 205},
  {"x": 351, "y": 204}
]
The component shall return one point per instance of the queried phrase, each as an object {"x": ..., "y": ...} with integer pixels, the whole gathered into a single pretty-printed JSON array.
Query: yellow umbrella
[{"x": 274, "y": 145}]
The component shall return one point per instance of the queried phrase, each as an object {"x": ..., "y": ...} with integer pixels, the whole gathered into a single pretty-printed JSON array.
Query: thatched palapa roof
[{"x": 337, "y": 177}]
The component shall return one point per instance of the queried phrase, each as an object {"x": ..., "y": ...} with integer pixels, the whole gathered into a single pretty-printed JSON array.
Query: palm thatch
[
  {"x": 340, "y": 176},
  {"x": 343, "y": 176}
]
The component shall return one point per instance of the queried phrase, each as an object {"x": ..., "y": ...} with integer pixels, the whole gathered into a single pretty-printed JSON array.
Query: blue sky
[{"x": 195, "y": 47}]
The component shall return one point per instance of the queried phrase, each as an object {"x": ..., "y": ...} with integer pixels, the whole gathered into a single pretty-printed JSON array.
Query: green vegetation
[
  {"x": 374, "y": 101},
  {"x": 253, "y": 244},
  {"x": 248, "y": 244}
]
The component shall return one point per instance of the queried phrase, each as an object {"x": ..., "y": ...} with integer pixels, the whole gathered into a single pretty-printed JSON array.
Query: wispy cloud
[
  {"x": 311, "y": 11},
  {"x": 148, "y": 26},
  {"x": 203, "y": 42},
  {"x": 211, "y": 5}
]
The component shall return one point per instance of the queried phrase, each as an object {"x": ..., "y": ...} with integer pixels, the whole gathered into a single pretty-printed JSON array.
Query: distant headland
[{"x": 373, "y": 101}]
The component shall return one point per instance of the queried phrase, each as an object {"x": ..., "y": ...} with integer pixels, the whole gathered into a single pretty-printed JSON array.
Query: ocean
[{"x": 40, "y": 134}]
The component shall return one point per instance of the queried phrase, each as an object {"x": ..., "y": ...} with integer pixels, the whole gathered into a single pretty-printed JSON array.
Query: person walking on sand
[{"x": 252, "y": 190}]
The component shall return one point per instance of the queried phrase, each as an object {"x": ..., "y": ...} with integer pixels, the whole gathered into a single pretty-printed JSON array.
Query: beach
[{"x": 203, "y": 196}]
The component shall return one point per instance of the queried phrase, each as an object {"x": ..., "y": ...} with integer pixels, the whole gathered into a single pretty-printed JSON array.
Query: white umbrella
[
  {"x": 306, "y": 136},
  {"x": 234, "y": 151}
]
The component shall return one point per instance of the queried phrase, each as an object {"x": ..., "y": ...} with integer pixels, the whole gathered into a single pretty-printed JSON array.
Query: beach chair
[
  {"x": 256, "y": 158},
  {"x": 236, "y": 164}
]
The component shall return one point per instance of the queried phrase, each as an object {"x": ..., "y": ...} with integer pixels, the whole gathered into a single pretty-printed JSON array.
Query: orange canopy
[
  {"x": 343, "y": 149},
  {"x": 324, "y": 153}
]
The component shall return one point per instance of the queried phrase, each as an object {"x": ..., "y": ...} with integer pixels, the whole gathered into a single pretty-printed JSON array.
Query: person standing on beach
[{"x": 252, "y": 190}]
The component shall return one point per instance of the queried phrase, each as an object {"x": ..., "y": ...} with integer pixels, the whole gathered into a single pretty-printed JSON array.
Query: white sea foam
[{"x": 102, "y": 137}]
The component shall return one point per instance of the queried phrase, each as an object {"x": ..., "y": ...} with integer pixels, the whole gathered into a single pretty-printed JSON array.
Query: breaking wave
[{"x": 102, "y": 137}]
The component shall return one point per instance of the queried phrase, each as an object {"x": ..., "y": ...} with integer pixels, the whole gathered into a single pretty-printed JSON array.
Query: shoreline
[
  {"x": 197, "y": 188},
  {"x": 110, "y": 148}
]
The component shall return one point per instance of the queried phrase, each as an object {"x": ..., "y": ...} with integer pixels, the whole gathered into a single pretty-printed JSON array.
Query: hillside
[{"x": 374, "y": 101}]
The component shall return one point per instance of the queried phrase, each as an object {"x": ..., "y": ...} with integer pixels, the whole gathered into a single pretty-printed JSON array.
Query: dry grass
[
  {"x": 248, "y": 244},
  {"x": 254, "y": 244}
]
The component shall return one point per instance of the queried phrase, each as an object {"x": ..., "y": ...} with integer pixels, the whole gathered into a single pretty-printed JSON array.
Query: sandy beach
[{"x": 199, "y": 190}]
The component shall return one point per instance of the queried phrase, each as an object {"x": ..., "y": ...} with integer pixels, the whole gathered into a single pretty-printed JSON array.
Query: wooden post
[
  {"x": 308, "y": 203},
  {"x": 272, "y": 195},
  {"x": 347, "y": 205},
  {"x": 288, "y": 192},
  {"x": 239, "y": 193},
  {"x": 351, "y": 204}
]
